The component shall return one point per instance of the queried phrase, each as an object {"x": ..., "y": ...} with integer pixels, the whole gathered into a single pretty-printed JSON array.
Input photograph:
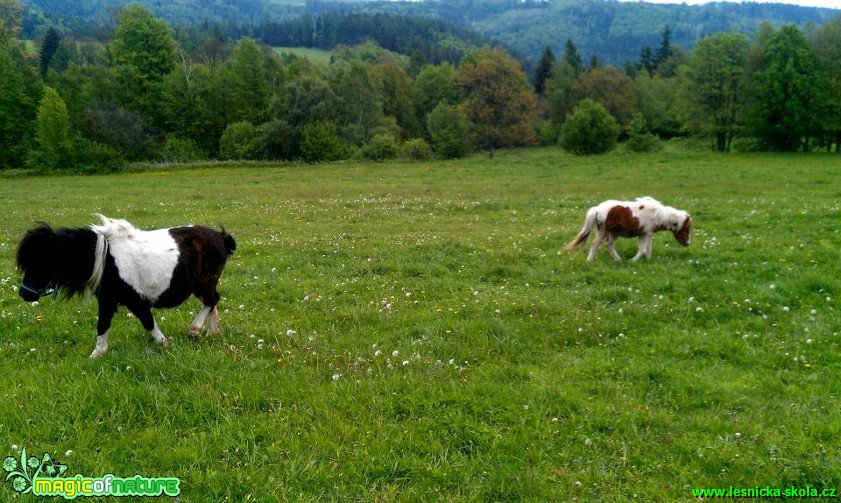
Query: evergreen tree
[
  {"x": 647, "y": 60},
  {"x": 49, "y": 46},
  {"x": 665, "y": 49},
  {"x": 544, "y": 70},
  {"x": 573, "y": 59}
]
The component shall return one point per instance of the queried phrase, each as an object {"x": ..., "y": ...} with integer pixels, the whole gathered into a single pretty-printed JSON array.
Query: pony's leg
[
  {"x": 644, "y": 247},
  {"x": 213, "y": 322},
  {"x": 144, "y": 314},
  {"x": 648, "y": 246},
  {"x": 611, "y": 240},
  {"x": 103, "y": 324},
  {"x": 198, "y": 321},
  {"x": 597, "y": 241},
  {"x": 209, "y": 299}
]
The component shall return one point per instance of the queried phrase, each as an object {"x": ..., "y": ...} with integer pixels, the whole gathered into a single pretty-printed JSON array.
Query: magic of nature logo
[{"x": 45, "y": 476}]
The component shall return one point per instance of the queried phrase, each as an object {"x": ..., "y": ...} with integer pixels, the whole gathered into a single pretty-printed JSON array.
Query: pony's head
[
  {"x": 682, "y": 229},
  {"x": 36, "y": 260}
]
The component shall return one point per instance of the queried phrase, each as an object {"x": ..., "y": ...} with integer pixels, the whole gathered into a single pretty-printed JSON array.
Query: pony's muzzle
[{"x": 29, "y": 294}]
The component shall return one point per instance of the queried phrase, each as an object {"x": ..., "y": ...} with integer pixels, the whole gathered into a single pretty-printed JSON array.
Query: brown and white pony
[
  {"x": 123, "y": 265},
  {"x": 640, "y": 218}
]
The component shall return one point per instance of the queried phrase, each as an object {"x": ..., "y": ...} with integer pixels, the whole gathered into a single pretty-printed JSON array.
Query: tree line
[{"x": 157, "y": 93}]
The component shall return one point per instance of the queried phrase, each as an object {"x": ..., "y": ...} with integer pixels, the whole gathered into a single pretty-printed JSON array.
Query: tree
[
  {"x": 18, "y": 105},
  {"x": 436, "y": 84},
  {"x": 450, "y": 131},
  {"x": 714, "y": 87},
  {"x": 785, "y": 99},
  {"x": 826, "y": 44},
  {"x": 239, "y": 141},
  {"x": 498, "y": 100},
  {"x": 544, "y": 70},
  {"x": 143, "y": 43},
  {"x": 589, "y": 130},
  {"x": 665, "y": 49},
  {"x": 55, "y": 143},
  {"x": 647, "y": 60},
  {"x": 49, "y": 46},
  {"x": 610, "y": 87},
  {"x": 396, "y": 90},
  {"x": 358, "y": 109},
  {"x": 320, "y": 142},
  {"x": 144, "y": 52},
  {"x": 249, "y": 87},
  {"x": 10, "y": 19},
  {"x": 573, "y": 59}
]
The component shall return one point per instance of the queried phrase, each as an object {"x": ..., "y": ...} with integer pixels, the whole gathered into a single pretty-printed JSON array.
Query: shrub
[
  {"x": 380, "y": 148},
  {"x": 450, "y": 131},
  {"x": 639, "y": 138},
  {"x": 181, "y": 150},
  {"x": 320, "y": 142},
  {"x": 240, "y": 140},
  {"x": 93, "y": 157},
  {"x": 590, "y": 129},
  {"x": 416, "y": 149}
]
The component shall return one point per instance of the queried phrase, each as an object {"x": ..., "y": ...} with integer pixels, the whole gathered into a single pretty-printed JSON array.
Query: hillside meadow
[{"x": 416, "y": 332}]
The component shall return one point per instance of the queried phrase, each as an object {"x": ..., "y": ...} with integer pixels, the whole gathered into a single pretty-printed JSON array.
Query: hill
[{"x": 614, "y": 31}]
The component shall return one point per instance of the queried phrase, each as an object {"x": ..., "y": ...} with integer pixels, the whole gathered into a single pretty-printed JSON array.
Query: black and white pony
[{"x": 123, "y": 265}]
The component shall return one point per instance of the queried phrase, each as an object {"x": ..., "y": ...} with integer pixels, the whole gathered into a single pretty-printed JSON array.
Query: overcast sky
[{"x": 833, "y": 4}]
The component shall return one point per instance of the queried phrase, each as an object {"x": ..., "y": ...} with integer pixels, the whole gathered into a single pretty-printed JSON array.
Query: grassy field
[{"x": 416, "y": 332}]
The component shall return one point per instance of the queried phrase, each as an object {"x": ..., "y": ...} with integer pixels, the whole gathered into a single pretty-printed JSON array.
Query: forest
[{"x": 162, "y": 93}]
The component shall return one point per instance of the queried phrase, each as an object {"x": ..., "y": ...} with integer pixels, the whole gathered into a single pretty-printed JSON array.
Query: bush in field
[
  {"x": 181, "y": 150},
  {"x": 380, "y": 148},
  {"x": 320, "y": 142},
  {"x": 590, "y": 129},
  {"x": 450, "y": 131},
  {"x": 93, "y": 157},
  {"x": 416, "y": 149},
  {"x": 240, "y": 140},
  {"x": 639, "y": 138}
]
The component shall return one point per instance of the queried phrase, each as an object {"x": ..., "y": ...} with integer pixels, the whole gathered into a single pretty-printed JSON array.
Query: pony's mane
[{"x": 115, "y": 228}]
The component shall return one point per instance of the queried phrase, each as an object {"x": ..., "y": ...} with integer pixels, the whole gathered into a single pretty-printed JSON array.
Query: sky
[{"x": 833, "y": 4}]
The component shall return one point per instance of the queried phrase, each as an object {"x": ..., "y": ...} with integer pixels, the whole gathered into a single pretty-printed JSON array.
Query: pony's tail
[
  {"x": 581, "y": 238},
  {"x": 229, "y": 241}
]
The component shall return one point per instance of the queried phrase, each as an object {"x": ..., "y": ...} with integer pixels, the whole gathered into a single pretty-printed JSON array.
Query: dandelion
[
  {"x": 785, "y": 309},
  {"x": 405, "y": 362},
  {"x": 290, "y": 332},
  {"x": 395, "y": 353},
  {"x": 336, "y": 377},
  {"x": 377, "y": 353},
  {"x": 68, "y": 453}
]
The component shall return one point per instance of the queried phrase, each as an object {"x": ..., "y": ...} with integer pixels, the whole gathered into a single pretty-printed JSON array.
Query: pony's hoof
[{"x": 96, "y": 354}]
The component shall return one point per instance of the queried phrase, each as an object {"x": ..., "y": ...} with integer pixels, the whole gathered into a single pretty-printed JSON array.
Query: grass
[{"x": 416, "y": 332}]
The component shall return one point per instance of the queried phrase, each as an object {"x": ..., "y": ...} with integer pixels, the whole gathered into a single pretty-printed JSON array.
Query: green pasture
[{"x": 417, "y": 332}]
